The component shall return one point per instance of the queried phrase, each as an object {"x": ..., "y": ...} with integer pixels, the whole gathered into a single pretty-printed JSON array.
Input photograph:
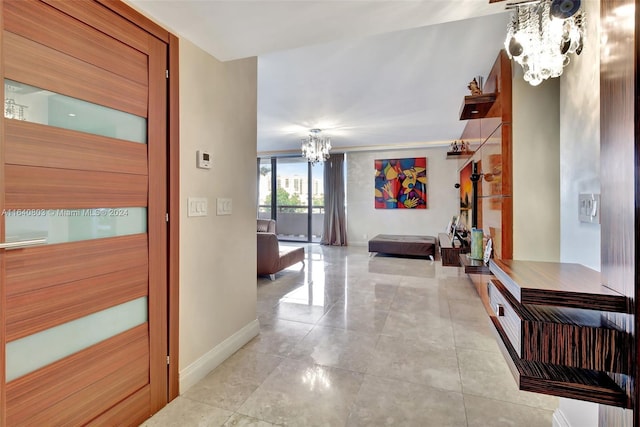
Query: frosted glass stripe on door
[
  {"x": 35, "y": 351},
  {"x": 36, "y": 105},
  {"x": 72, "y": 225}
]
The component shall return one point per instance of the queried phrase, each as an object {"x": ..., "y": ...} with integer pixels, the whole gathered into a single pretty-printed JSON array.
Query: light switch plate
[
  {"x": 589, "y": 208},
  {"x": 197, "y": 206},
  {"x": 224, "y": 206}
]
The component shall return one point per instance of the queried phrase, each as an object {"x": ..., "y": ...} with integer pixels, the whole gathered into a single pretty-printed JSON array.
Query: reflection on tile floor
[{"x": 354, "y": 340}]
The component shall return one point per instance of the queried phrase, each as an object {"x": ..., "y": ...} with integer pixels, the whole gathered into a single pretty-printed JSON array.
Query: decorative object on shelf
[
  {"x": 542, "y": 34},
  {"x": 449, "y": 229},
  {"x": 458, "y": 148},
  {"x": 457, "y": 232},
  {"x": 487, "y": 251},
  {"x": 460, "y": 234},
  {"x": 453, "y": 225},
  {"x": 477, "y": 244},
  {"x": 492, "y": 176},
  {"x": 401, "y": 183},
  {"x": 316, "y": 147},
  {"x": 475, "y": 86}
]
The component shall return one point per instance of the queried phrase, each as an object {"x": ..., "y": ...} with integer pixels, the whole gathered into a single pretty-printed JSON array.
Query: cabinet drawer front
[{"x": 508, "y": 318}]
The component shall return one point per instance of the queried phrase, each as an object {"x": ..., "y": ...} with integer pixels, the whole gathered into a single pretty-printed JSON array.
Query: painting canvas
[
  {"x": 401, "y": 183},
  {"x": 466, "y": 196}
]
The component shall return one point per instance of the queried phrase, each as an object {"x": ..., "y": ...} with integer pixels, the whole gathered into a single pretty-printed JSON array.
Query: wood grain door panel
[
  {"x": 28, "y": 187},
  {"x": 38, "y": 267},
  {"x": 82, "y": 386},
  {"x": 43, "y": 308},
  {"x": 106, "y": 54},
  {"x": 104, "y": 20},
  {"x": 67, "y": 75},
  {"x": 33, "y": 144},
  {"x": 133, "y": 411},
  {"x": 75, "y": 38}
]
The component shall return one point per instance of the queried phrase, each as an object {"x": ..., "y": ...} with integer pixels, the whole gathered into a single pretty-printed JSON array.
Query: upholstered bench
[{"x": 403, "y": 245}]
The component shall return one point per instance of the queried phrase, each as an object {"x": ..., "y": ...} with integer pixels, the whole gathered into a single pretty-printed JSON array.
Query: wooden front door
[{"x": 84, "y": 199}]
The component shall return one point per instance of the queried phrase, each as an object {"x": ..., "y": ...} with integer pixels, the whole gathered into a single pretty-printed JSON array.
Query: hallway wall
[
  {"x": 580, "y": 173},
  {"x": 217, "y": 253}
]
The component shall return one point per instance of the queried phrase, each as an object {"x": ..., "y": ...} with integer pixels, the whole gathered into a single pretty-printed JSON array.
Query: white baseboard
[
  {"x": 199, "y": 369},
  {"x": 559, "y": 419}
]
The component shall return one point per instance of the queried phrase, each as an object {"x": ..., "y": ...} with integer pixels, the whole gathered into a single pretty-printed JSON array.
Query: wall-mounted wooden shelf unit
[
  {"x": 457, "y": 155},
  {"x": 572, "y": 383},
  {"x": 491, "y": 137},
  {"x": 477, "y": 106},
  {"x": 550, "y": 323},
  {"x": 473, "y": 266},
  {"x": 557, "y": 284}
]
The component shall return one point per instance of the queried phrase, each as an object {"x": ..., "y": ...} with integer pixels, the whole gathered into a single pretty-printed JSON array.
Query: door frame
[
  {"x": 173, "y": 183},
  {"x": 171, "y": 313}
]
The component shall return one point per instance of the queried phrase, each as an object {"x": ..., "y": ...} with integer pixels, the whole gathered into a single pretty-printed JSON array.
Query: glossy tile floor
[{"x": 354, "y": 340}]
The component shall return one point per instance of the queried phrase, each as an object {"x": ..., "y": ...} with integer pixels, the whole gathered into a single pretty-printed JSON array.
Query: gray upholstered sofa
[{"x": 271, "y": 257}]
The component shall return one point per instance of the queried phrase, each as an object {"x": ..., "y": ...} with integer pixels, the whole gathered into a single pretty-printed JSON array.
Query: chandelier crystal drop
[
  {"x": 542, "y": 34},
  {"x": 316, "y": 147}
]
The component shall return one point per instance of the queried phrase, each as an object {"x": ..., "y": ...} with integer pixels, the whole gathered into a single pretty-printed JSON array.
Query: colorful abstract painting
[
  {"x": 401, "y": 183},
  {"x": 466, "y": 196}
]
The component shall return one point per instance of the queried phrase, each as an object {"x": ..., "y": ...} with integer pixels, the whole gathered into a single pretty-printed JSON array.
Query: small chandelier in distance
[
  {"x": 542, "y": 34},
  {"x": 316, "y": 147}
]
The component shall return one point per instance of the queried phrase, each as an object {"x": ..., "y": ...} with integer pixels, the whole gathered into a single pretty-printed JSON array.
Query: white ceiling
[{"x": 369, "y": 73}]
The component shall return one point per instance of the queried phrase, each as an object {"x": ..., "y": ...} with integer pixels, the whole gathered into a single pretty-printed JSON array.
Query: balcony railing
[{"x": 292, "y": 221}]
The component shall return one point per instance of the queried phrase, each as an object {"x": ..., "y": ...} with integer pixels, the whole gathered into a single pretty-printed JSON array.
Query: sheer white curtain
[{"x": 335, "y": 224}]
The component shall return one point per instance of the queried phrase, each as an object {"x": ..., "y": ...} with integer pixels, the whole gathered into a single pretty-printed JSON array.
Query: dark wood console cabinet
[
  {"x": 548, "y": 318},
  {"x": 448, "y": 252}
]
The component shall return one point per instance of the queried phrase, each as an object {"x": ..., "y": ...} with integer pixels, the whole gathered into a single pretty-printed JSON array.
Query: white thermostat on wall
[{"x": 204, "y": 159}]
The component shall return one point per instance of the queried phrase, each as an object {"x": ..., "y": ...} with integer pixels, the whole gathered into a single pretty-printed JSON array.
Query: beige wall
[
  {"x": 536, "y": 169},
  {"x": 217, "y": 253},
  {"x": 580, "y": 173},
  {"x": 580, "y": 145},
  {"x": 364, "y": 221}
]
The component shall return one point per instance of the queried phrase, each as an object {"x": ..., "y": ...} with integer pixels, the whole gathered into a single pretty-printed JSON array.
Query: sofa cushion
[
  {"x": 272, "y": 258},
  {"x": 290, "y": 256},
  {"x": 266, "y": 226}
]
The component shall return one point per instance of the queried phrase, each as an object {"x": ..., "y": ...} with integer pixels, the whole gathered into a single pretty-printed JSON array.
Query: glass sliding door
[
  {"x": 298, "y": 205},
  {"x": 264, "y": 189},
  {"x": 317, "y": 201},
  {"x": 292, "y": 198}
]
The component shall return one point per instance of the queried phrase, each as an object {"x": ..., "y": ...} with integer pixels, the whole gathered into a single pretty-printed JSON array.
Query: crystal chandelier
[
  {"x": 542, "y": 34},
  {"x": 316, "y": 147}
]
